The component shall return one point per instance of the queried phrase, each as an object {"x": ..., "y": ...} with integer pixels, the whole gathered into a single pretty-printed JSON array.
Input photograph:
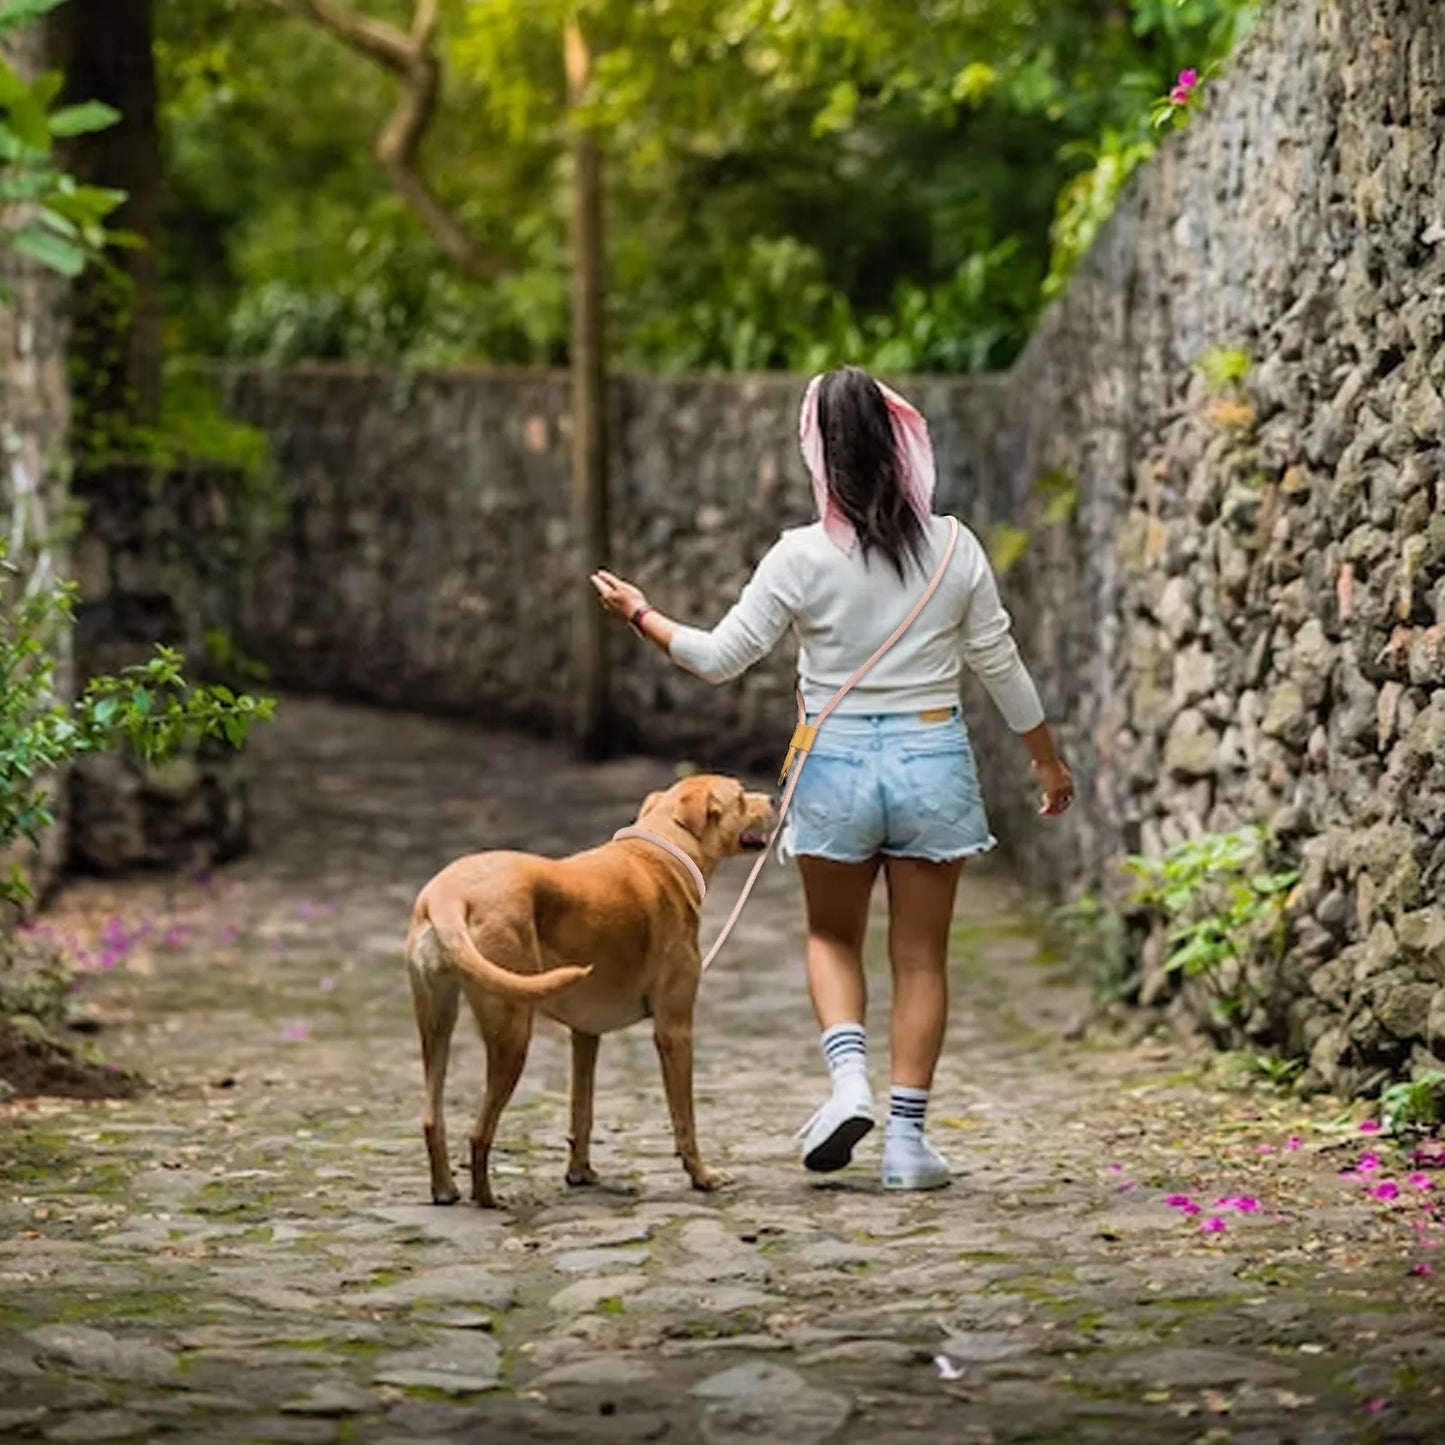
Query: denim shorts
[{"x": 891, "y": 784}]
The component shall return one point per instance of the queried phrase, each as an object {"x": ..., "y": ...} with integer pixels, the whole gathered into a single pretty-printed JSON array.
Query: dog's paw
[
  {"x": 580, "y": 1178},
  {"x": 707, "y": 1179}
]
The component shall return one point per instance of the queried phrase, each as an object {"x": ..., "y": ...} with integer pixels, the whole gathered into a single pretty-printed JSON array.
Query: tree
[
  {"x": 410, "y": 56},
  {"x": 787, "y": 184},
  {"x": 104, "y": 48}
]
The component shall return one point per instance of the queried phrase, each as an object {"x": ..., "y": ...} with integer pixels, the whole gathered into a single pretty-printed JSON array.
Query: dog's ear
[{"x": 695, "y": 805}]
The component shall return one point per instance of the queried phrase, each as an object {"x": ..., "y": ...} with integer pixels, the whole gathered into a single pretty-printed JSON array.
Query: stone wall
[
  {"x": 1245, "y": 614},
  {"x": 160, "y": 558},
  {"x": 426, "y": 560},
  {"x": 34, "y": 414},
  {"x": 1233, "y": 592}
]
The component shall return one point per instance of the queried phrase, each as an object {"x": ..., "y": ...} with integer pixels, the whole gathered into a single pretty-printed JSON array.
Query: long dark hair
[{"x": 861, "y": 459}]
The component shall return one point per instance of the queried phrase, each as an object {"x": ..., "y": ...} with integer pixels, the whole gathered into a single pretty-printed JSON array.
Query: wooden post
[{"x": 590, "y": 625}]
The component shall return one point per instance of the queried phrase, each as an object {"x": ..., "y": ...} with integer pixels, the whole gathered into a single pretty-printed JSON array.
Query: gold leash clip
[{"x": 802, "y": 740}]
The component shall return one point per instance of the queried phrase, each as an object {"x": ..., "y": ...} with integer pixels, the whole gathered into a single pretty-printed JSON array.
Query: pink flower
[
  {"x": 1368, "y": 1163},
  {"x": 1373, "y": 1407},
  {"x": 1245, "y": 1203},
  {"x": 1370, "y": 1126},
  {"x": 1115, "y": 1168},
  {"x": 1423, "y": 1270},
  {"x": 1191, "y": 1209},
  {"x": 1264, "y": 1149},
  {"x": 1188, "y": 79},
  {"x": 1213, "y": 1225},
  {"x": 1177, "y": 1201},
  {"x": 295, "y": 1032},
  {"x": 1179, "y": 96},
  {"x": 1294, "y": 1142},
  {"x": 1388, "y": 1190},
  {"x": 1422, "y": 1181}
]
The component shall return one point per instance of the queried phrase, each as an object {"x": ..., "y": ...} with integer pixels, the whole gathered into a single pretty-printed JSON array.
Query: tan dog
[{"x": 597, "y": 941}]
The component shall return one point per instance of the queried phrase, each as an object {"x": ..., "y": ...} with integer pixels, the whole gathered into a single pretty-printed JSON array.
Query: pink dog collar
[{"x": 667, "y": 847}]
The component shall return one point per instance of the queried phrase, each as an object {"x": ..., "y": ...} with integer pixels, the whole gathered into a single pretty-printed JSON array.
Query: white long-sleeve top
[{"x": 842, "y": 609}]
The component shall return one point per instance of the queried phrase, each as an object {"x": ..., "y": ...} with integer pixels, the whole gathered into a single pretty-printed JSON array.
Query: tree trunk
[
  {"x": 104, "y": 47},
  {"x": 590, "y": 629}
]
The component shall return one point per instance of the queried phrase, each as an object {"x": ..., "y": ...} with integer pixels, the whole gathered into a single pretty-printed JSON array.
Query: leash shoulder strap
[{"x": 805, "y": 735}]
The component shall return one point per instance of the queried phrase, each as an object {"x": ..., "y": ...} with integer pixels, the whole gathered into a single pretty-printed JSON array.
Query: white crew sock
[
  {"x": 845, "y": 1047},
  {"x": 906, "y": 1110}
]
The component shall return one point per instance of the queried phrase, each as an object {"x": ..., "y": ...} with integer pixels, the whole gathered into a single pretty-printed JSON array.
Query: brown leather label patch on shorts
[{"x": 936, "y": 714}]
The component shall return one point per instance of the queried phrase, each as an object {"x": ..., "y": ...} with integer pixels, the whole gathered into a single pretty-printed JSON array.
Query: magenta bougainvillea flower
[
  {"x": 1184, "y": 87},
  {"x": 1422, "y": 1181},
  {"x": 1245, "y": 1203},
  {"x": 1213, "y": 1225},
  {"x": 1294, "y": 1142},
  {"x": 1370, "y": 1126},
  {"x": 1176, "y": 1201},
  {"x": 1373, "y": 1407},
  {"x": 1422, "y": 1270},
  {"x": 1368, "y": 1163},
  {"x": 1388, "y": 1190}
]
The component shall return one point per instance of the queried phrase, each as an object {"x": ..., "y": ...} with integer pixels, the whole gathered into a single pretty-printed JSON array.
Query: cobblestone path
[{"x": 247, "y": 1252}]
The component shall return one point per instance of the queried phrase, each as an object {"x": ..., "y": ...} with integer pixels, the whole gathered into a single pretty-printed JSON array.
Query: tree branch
[{"x": 411, "y": 58}]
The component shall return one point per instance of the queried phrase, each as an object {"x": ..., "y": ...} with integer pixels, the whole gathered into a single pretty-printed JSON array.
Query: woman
[{"x": 890, "y": 782}]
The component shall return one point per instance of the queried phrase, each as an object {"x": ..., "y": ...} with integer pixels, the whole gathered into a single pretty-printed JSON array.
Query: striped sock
[
  {"x": 845, "y": 1047},
  {"x": 906, "y": 1108}
]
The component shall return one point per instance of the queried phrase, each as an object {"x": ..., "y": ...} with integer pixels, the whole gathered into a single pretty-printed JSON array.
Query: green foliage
[
  {"x": 149, "y": 708},
  {"x": 788, "y": 185},
  {"x": 1089, "y": 931},
  {"x": 1414, "y": 1107},
  {"x": 1281, "y": 1074},
  {"x": 1058, "y": 494},
  {"x": 1224, "y": 368},
  {"x": 1214, "y": 28},
  {"x": 45, "y": 214},
  {"x": 1218, "y": 901},
  {"x": 1006, "y": 545}
]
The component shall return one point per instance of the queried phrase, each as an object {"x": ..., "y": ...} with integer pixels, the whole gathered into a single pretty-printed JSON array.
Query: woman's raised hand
[{"x": 618, "y": 597}]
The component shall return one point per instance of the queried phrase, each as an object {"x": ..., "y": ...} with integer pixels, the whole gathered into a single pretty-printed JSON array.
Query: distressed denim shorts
[{"x": 898, "y": 784}]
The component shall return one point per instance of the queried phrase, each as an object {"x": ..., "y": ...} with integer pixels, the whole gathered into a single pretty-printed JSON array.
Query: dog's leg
[
  {"x": 672, "y": 1033},
  {"x": 434, "y": 1001},
  {"x": 506, "y": 1030},
  {"x": 584, "y": 1078}
]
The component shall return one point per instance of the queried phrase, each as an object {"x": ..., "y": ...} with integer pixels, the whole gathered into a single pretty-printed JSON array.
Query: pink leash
[{"x": 805, "y": 736}]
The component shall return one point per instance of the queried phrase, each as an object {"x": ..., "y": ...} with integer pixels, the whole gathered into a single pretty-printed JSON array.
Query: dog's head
[{"x": 718, "y": 812}]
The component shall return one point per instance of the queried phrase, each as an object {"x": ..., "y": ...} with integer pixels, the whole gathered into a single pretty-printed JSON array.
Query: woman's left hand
[{"x": 618, "y": 597}]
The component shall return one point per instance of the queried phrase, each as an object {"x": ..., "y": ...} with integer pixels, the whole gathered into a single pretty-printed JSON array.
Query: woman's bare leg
[
  {"x": 837, "y": 897},
  {"x": 920, "y": 910}
]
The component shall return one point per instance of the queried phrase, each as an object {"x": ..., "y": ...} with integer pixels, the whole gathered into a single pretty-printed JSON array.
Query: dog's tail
[{"x": 448, "y": 917}]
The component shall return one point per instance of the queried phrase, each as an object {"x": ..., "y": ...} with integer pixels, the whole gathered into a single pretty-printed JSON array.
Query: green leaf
[
  {"x": 50, "y": 250},
  {"x": 86, "y": 205},
  {"x": 19, "y": 13},
  {"x": 82, "y": 119}
]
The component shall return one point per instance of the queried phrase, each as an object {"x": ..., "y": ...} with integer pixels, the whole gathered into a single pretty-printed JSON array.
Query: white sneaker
[
  {"x": 830, "y": 1135},
  {"x": 911, "y": 1162}
]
